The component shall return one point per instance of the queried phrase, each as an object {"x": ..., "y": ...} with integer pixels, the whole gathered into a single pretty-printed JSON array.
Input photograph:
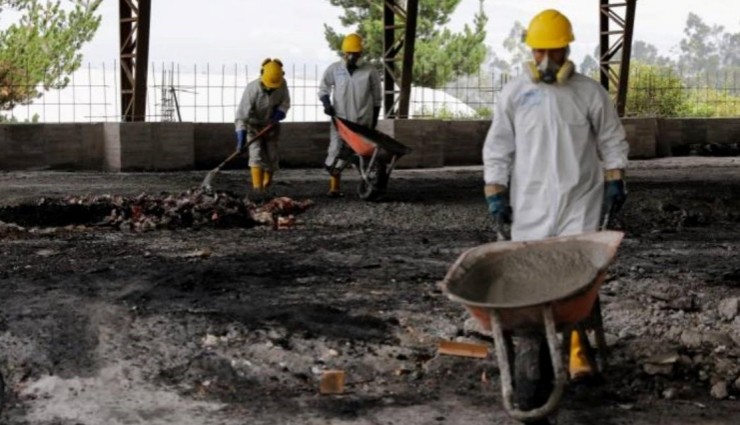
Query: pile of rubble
[{"x": 194, "y": 208}]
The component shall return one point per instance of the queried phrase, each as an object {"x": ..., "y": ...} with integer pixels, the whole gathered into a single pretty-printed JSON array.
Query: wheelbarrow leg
[{"x": 598, "y": 327}]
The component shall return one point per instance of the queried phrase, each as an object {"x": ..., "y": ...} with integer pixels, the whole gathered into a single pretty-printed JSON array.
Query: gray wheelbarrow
[{"x": 545, "y": 286}]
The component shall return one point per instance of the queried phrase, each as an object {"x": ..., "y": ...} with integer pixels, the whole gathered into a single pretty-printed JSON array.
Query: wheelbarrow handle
[{"x": 553, "y": 344}]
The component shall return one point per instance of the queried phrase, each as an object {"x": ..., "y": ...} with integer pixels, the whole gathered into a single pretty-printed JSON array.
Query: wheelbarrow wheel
[
  {"x": 533, "y": 374},
  {"x": 377, "y": 181}
]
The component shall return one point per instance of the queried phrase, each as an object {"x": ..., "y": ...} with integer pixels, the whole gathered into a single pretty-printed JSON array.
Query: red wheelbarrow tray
[
  {"x": 473, "y": 278},
  {"x": 364, "y": 140}
]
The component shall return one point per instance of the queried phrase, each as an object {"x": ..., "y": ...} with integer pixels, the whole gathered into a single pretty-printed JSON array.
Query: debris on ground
[
  {"x": 332, "y": 382},
  {"x": 193, "y": 208},
  {"x": 462, "y": 349}
]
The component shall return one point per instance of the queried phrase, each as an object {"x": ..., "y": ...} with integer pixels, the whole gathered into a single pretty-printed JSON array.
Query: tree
[
  {"x": 518, "y": 51},
  {"x": 655, "y": 91},
  {"x": 700, "y": 47},
  {"x": 730, "y": 50},
  {"x": 41, "y": 49},
  {"x": 589, "y": 67},
  {"x": 647, "y": 54},
  {"x": 440, "y": 55}
]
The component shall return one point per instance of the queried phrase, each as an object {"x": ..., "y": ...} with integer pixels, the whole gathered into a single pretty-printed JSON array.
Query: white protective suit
[
  {"x": 549, "y": 139},
  {"x": 353, "y": 99},
  {"x": 254, "y": 111}
]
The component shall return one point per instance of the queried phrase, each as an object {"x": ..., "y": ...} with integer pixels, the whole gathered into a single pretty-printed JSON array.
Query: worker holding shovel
[
  {"x": 264, "y": 103},
  {"x": 555, "y": 154},
  {"x": 357, "y": 98}
]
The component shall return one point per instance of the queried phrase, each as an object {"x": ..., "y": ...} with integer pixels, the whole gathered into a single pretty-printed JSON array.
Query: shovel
[{"x": 212, "y": 174}]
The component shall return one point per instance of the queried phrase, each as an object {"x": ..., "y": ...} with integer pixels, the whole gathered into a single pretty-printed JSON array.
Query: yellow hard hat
[
  {"x": 550, "y": 29},
  {"x": 272, "y": 73},
  {"x": 352, "y": 43}
]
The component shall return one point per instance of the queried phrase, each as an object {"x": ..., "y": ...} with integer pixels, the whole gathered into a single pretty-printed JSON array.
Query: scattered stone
[
  {"x": 691, "y": 339},
  {"x": 473, "y": 326},
  {"x": 687, "y": 303},
  {"x": 47, "y": 252},
  {"x": 716, "y": 339},
  {"x": 670, "y": 393},
  {"x": 737, "y": 384},
  {"x": 210, "y": 340},
  {"x": 658, "y": 369},
  {"x": 198, "y": 253},
  {"x": 719, "y": 390},
  {"x": 661, "y": 364},
  {"x": 728, "y": 308}
]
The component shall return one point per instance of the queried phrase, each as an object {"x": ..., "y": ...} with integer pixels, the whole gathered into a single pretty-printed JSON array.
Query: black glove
[
  {"x": 614, "y": 196},
  {"x": 328, "y": 108},
  {"x": 376, "y": 114}
]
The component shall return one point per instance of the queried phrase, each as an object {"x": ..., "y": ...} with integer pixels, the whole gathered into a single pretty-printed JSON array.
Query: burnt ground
[{"x": 235, "y": 325}]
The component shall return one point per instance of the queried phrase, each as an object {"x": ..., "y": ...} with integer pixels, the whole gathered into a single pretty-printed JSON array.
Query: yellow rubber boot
[
  {"x": 266, "y": 179},
  {"x": 257, "y": 178},
  {"x": 579, "y": 365},
  {"x": 334, "y": 183}
]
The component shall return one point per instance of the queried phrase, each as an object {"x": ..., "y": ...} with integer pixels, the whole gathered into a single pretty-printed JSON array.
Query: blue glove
[
  {"x": 277, "y": 115},
  {"x": 241, "y": 138},
  {"x": 498, "y": 206},
  {"x": 614, "y": 196},
  {"x": 328, "y": 109}
]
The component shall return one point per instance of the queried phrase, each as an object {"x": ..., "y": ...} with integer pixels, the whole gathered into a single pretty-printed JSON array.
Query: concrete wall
[
  {"x": 51, "y": 146},
  {"x": 173, "y": 146}
]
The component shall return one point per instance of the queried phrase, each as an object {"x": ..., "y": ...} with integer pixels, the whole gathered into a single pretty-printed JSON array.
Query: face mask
[
  {"x": 353, "y": 59},
  {"x": 548, "y": 70}
]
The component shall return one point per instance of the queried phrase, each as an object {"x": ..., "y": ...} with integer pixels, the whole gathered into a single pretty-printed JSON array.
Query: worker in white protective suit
[
  {"x": 356, "y": 97},
  {"x": 265, "y": 101},
  {"x": 555, "y": 154}
]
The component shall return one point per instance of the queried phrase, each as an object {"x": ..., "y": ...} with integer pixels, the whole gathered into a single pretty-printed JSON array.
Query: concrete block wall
[
  {"x": 426, "y": 139},
  {"x": 173, "y": 146},
  {"x": 680, "y": 133},
  {"x": 642, "y": 136},
  {"x": 51, "y": 146},
  {"x": 155, "y": 146},
  {"x": 301, "y": 144}
]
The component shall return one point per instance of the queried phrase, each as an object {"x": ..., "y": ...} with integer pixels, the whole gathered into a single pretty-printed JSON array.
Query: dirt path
[{"x": 110, "y": 327}]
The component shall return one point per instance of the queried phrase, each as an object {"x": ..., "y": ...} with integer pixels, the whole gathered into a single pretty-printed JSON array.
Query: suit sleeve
[{"x": 500, "y": 144}]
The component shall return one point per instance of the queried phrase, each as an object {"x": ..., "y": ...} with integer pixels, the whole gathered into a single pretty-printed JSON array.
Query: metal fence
[{"x": 212, "y": 93}]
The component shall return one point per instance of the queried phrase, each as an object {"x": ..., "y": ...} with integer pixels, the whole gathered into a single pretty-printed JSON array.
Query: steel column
[
  {"x": 396, "y": 102},
  {"x": 412, "y": 8},
  {"x": 622, "y": 46},
  {"x": 134, "y": 20}
]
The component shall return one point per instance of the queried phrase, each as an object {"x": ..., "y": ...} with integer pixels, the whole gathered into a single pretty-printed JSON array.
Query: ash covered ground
[{"x": 233, "y": 322}]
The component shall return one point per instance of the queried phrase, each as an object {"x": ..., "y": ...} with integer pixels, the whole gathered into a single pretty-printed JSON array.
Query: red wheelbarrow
[
  {"x": 546, "y": 286},
  {"x": 376, "y": 153}
]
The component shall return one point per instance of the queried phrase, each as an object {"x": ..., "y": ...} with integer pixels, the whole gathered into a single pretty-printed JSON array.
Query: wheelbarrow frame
[
  {"x": 376, "y": 152},
  {"x": 576, "y": 310}
]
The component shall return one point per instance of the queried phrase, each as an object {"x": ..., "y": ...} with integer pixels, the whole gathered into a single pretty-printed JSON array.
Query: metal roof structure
[{"x": 616, "y": 23}]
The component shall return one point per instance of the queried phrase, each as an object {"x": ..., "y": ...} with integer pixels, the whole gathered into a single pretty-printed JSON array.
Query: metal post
[
  {"x": 134, "y": 20},
  {"x": 389, "y": 63},
  {"x": 622, "y": 46},
  {"x": 412, "y": 9},
  {"x": 397, "y": 101}
]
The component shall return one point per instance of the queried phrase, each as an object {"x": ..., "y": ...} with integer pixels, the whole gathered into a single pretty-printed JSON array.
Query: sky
[{"x": 227, "y": 32}]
